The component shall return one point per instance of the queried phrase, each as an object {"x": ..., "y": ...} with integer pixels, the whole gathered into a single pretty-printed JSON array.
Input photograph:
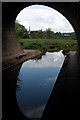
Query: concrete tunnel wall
[{"x": 10, "y": 45}]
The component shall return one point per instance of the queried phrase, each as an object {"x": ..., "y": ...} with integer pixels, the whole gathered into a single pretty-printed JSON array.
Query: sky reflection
[
  {"x": 35, "y": 112},
  {"x": 36, "y": 80},
  {"x": 54, "y": 59}
]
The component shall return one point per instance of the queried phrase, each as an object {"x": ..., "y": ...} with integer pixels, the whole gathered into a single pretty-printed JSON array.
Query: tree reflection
[{"x": 19, "y": 83}]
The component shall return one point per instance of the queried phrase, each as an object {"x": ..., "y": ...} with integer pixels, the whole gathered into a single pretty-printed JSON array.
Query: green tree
[
  {"x": 73, "y": 36},
  {"x": 49, "y": 33},
  {"x": 21, "y": 31},
  {"x": 58, "y": 35},
  {"x": 40, "y": 34}
]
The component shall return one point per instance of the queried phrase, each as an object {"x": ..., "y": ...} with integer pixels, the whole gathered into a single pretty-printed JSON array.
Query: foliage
[
  {"x": 45, "y": 40},
  {"x": 42, "y": 34},
  {"x": 49, "y": 33},
  {"x": 21, "y": 31},
  {"x": 58, "y": 35},
  {"x": 73, "y": 36},
  {"x": 49, "y": 44}
]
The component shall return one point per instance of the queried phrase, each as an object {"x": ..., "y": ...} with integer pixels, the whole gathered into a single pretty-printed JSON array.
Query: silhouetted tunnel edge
[
  {"x": 11, "y": 10},
  {"x": 9, "y": 37}
]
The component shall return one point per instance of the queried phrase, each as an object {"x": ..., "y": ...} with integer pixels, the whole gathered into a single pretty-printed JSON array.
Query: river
[{"x": 36, "y": 80}]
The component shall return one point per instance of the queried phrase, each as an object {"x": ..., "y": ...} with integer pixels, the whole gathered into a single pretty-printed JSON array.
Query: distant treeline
[{"x": 22, "y": 32}]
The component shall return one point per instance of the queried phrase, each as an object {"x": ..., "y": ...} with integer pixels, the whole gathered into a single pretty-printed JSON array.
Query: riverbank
[
  {"x": 49, "y": 45},
  {"x": 10, "y": 61}
]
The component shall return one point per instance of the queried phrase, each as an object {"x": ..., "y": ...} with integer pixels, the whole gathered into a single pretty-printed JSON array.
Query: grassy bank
[{"x": 50, "y": 45}]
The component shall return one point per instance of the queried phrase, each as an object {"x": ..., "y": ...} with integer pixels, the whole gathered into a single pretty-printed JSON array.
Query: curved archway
[
  {"x": 37, "y": 17},
  {"x": 71, "y": 12},
  {"x": 28, "y": 90}
]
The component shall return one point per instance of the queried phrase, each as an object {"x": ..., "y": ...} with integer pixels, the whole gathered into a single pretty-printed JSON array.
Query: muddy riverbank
[{"x": 10, "y": 61}]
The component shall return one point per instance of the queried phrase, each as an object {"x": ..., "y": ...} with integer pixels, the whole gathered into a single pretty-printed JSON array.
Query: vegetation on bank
[
  {"x": 50, "y": 45},
  {"x": 45, "y": 40}
]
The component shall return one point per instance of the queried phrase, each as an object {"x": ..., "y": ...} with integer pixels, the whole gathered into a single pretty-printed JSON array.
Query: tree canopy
[{"x": 21, "y": 31}]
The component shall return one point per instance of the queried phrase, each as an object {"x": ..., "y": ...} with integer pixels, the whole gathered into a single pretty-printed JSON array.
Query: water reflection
[
  {"x": 54, "y": 59},
  {"x": 36, "y": 80},
  {"x": 19, "y": 83}
]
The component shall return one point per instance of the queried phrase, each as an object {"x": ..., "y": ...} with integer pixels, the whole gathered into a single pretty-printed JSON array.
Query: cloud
[
  {"x": 55, "y": 59},
  {"x": 43, "y": 17},
  {"x": 51, "y": 78},
  {"x": 35, "y": 112},
  {"x": 50, "y": 81}
]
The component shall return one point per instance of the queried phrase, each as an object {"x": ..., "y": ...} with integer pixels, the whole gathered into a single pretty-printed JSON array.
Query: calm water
[{"x": 35, "y": 82}]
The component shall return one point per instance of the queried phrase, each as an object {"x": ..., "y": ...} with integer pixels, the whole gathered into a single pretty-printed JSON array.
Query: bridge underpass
[{"x": 65, "y": 98}]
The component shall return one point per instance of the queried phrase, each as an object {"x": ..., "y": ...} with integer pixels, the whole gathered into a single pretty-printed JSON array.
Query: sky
[{"x": 42, "y": 17}]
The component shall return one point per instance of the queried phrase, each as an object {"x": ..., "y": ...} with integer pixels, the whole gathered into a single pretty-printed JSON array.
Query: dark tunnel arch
[
  {"x": 70, "y": 13},
  {"x": 50, "y": 6},
  {"x": 10, "y": 10}
]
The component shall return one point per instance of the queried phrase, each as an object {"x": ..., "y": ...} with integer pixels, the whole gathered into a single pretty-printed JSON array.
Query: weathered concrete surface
[
  {"x": 10, "y": 61},
  {"x": 65, "y": 98},
  {"x": 10, "y": 109},
  {"x": 10, "y": 44},
  {"x": 64, "y": 102},
  {"x": 11, "y": 68}
]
